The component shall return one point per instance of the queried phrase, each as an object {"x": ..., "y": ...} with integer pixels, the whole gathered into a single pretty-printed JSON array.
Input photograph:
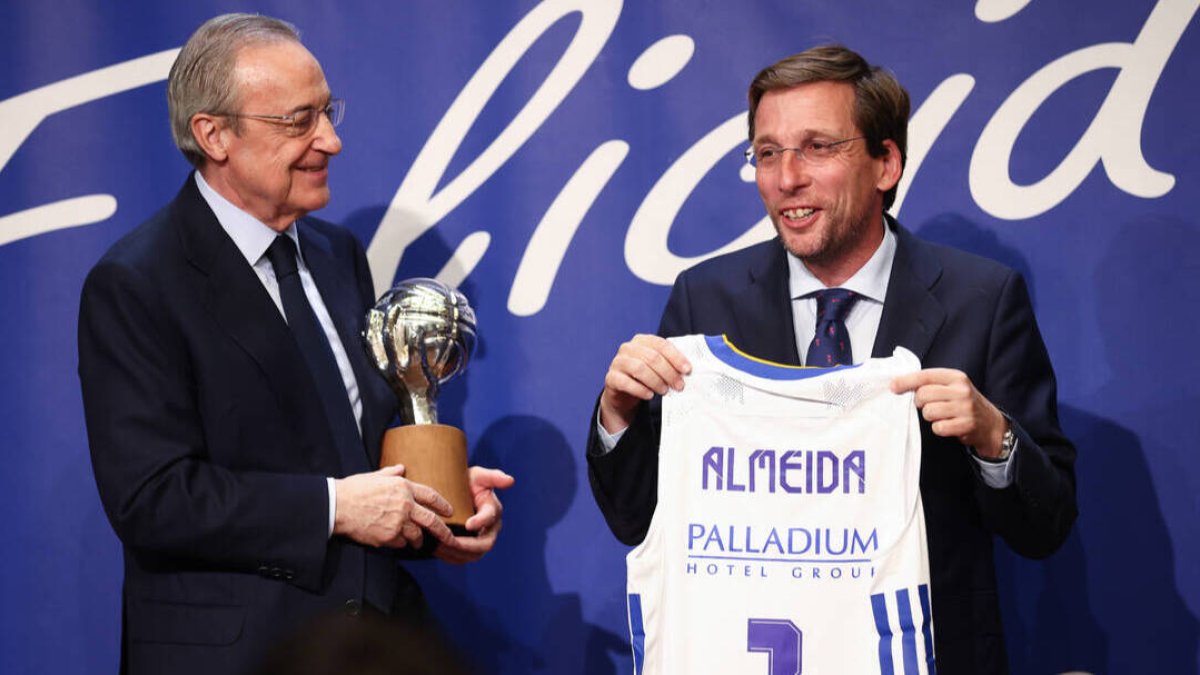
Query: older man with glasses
[{"x": 234, "y": 422}]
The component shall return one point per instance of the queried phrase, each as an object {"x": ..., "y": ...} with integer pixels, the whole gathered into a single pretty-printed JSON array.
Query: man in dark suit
[
  {"x": 239, "y": 482},
  {"x": 828, "y": 135}
]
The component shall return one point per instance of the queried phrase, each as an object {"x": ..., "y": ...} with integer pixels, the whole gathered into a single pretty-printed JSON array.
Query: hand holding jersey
[
  {"x": 950, "y": 402},
  {"x": 644, "y": 366}
]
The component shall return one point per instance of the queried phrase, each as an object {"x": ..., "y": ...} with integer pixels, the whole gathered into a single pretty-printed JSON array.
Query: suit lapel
[
  {"x": 912, "y": 316},
  {"x": 242, "y": 308},
  {"x": 763, "y": 310}
]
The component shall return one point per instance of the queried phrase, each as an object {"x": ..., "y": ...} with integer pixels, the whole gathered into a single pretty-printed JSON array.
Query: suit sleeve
[
  {"x": 625, "y": 481},
  {"x": 1035, "y": 513},
  {"x": 167, "y": 499}
]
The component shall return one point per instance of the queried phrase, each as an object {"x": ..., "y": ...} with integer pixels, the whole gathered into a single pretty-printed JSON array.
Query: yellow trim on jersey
[{"x": 765, "y": 361}]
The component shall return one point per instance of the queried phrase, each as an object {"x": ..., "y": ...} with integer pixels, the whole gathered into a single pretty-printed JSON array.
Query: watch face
[{"x": 1007, "y": 443}]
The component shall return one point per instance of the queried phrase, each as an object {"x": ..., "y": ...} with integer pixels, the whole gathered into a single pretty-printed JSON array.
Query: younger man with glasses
[
  {"x": 828, "y": 135},
  {"x": 233, "y": 419}
]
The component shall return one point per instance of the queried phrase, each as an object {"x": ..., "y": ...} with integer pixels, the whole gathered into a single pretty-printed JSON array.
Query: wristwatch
[{"x": 1007, "y": 443}]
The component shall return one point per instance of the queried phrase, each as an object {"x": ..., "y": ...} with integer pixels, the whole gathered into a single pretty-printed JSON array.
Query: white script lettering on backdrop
[
  {"x": 21, "y": 114},
  {"x": 1113, "y": 139}
]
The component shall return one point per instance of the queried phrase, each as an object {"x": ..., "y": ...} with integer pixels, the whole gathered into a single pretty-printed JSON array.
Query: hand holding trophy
[{"x": 419, "y": 335}]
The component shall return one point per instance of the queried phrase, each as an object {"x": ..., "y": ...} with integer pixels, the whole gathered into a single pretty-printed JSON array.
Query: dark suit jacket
[
  {"x": 210, "y": 447},
  {"x": 952, "y": 310}
]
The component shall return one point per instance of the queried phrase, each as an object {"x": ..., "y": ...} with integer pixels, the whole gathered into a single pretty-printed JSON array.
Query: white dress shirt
[{"x": 870, "y": 282}]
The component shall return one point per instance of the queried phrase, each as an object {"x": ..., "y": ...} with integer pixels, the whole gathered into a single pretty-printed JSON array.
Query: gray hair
[{"x": 202, "y": 77}]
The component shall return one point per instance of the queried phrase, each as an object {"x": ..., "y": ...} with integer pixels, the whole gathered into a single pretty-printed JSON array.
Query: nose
[
  {"x": 793, "y": 171},
  {"x": 326, "y": 139}
]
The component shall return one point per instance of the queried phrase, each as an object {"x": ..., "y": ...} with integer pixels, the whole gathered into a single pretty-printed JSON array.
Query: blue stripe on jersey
[
  {"x": 721, "y": 348},
  {"x": 909, "y": 632},
  {"x": 879, "y": 607},
  {"x": 923, "y": 595},
  {"x": 637, "y": 633}
]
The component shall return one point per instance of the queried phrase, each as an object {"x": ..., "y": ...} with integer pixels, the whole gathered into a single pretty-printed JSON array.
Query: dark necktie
[
  {"x": 318, "y": 355},
  {"x": 831, "y": 342}
]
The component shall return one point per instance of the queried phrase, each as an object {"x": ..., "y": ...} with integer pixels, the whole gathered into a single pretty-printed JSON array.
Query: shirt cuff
[
  {"x": 997, "y": 475},
  {"x": 608, "y": 441},
  {"x": 332, "y": 503}
]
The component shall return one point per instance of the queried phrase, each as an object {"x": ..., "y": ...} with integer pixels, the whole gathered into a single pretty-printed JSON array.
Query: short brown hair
[
  {"x": 201, "y": 79},
  {"x": 881, "y": 105}
]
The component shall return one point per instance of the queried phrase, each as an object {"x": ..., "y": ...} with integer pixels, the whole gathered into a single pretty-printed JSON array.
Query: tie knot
[
  {"x": 833, "y": 304},
  {"x": 282, "y": 254}
]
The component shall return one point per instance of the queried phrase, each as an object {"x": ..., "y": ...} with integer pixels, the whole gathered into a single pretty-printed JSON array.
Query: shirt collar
[
  {"x": 870, "y": 281},
  {"x": 251, "y": 236}
]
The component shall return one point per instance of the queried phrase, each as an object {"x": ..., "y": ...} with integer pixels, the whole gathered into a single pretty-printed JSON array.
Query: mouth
[
  {"x": 799, "y": 217},
  {"x": 313, "y": 174},
  {"x": 798, "y": 213}
]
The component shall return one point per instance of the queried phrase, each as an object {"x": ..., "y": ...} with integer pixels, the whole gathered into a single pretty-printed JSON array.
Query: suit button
[{"x": 353, "y": 607}]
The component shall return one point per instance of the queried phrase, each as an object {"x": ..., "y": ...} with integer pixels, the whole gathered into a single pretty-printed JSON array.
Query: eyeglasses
[
  {"x": 813, "y": 152},
  {"x": 303, "y": 121}
]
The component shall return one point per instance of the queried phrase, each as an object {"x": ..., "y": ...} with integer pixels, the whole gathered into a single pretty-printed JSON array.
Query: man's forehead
[
  {"x": 281, "y": 69},
  {"x": 813, "y": 107},
  {"x": 280, "y": 50}
]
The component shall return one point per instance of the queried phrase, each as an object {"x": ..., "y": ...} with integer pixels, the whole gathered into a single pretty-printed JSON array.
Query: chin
[
  {"x": 802, "y": 247},
  {"x": 314, "y": 203}
]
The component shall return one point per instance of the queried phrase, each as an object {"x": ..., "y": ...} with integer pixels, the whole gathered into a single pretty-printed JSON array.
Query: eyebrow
[
  {"x": 808, "y": 136},
  {"x": 309, "y": 106}
]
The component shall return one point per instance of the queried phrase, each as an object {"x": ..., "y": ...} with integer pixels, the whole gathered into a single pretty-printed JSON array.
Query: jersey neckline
[{"x": 727, "y": 353}]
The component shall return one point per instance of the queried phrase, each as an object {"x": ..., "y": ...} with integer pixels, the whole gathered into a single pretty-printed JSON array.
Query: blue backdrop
[{"x": 561, "y": 162}]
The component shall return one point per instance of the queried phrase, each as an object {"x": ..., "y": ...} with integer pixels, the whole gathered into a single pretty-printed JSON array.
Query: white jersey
[{"x": 789, "y": 535}]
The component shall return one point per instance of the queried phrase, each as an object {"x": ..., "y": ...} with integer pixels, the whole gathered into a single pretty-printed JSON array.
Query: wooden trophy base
[{"x": 434, "y": 455}]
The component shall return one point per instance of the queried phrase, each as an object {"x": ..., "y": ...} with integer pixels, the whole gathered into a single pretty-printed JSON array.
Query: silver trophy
[{"x": 420, "y": 335}]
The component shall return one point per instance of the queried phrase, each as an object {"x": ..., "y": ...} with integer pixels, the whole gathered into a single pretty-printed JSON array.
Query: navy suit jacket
[
  {"x": 210, "y": 447},
  {"x": 951, "y": 309}
]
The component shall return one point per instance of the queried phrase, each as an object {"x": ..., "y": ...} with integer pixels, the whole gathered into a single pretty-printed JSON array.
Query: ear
[
  {"x": 889, "y": 167},
  {"x": 210, "y": 134}
]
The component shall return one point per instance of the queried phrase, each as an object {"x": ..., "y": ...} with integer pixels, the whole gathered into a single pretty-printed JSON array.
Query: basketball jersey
[{"x": 789, "y": 534}]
